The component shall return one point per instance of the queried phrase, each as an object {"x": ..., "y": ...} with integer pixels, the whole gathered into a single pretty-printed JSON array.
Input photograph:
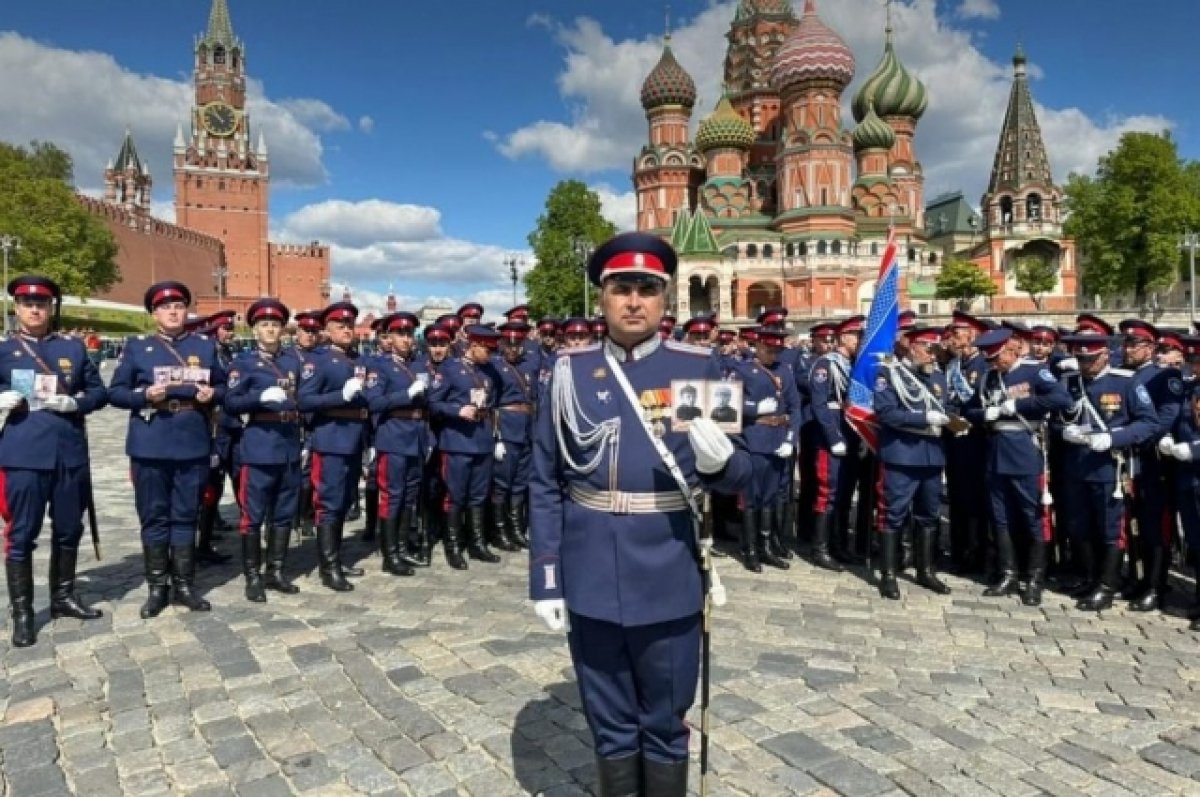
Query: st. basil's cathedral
[{"x": 775, "y": 202}]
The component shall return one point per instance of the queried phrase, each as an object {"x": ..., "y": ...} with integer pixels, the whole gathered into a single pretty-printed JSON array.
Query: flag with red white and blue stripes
[{"x": 877, "y": 343}]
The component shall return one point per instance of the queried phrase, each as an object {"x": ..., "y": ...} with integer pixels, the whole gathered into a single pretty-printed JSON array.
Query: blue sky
[{"x": 422, "y": 138}]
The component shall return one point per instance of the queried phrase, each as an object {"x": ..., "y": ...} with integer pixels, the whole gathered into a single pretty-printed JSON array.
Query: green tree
[
  {"x": 1127, "y": 220},
  {"x": 963, "y": 281},
  {"x": 59, "y": 238},
  {"x": 1035, "y": 275},
  {"x": 555, "y": 284}
]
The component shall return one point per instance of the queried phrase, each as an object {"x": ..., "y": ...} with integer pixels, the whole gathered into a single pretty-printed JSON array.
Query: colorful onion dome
[
  {"x": 668, "y": 83},
  {"x": 873, "y": 133},
  {"x": 724, "y": 127},
  {"x": 812, "y": 52},
  {"x": 892, "y": 89},
  {"x": 753, "y": 8}
]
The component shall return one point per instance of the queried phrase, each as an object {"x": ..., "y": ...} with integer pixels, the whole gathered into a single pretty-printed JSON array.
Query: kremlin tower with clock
[{"x": 218, "y": 245}]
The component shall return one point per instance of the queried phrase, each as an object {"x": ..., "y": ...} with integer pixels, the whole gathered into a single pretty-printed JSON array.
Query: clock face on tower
[{"x": 219, "y": 119}]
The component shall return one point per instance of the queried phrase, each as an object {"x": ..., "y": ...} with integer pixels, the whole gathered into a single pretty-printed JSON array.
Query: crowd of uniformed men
[{"x": 1055, "y": 463}]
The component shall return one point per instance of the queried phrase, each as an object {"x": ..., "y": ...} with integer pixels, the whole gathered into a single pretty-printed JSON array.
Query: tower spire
[
  {"x": 220, "y": 28},
  {"x": 667, "y": 35},
  {"x": 1021, "y": 158}
]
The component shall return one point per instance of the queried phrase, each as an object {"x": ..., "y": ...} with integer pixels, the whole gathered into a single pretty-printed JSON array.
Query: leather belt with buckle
[
  {"x": 407, "y": 415},
  {"x": 285, "y": 416},
  {"x": 175, "y": 405},
  {"x": 773, "y": 420},
  {"x": 522, "y": 407},
  {"x": 347, "y": 414}
]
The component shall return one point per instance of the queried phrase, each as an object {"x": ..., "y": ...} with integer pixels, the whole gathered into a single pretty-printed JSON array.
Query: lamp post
[
  {"x": 9, "y": 243},
  {"x": 219, "y": 274},
  {"x": 513, "y": 262},
  {"x": 1190, "y": 242},
  {"x": 583, "y": 252}
]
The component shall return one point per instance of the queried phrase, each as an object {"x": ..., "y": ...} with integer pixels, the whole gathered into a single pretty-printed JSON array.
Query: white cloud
[
  {"x": 366, "y": 124},
  {"x": 605, "y": 125},
  {"x": 978, "y": 9},
  {"x": 620, "y": 209},
  {"x": 84, "y": 100},
  {"x": 360, "y": 223}
]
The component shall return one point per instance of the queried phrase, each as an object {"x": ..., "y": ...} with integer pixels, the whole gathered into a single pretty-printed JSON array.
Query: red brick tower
[{"x": 127, "y": 180}]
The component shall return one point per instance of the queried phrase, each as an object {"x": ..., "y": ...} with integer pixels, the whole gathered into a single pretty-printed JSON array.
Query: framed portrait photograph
[
  {"x": 687, "y": 402},
  {"x": 723, "y": 404}
]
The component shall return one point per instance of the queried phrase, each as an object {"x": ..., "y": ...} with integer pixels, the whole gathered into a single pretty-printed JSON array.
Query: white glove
[
  {"x": 710, "y": 444},
  {"x": 272, "y": 395},
  {"x": 352, "y": 388},
  {"x": 553, "y": 614},
  {"x": 766, "y": 406},
  {"x": 991, "y": 414},
  {"x": 935, "y": 418},
  {"x": 1009, "y": 407},
  {"x": 838, "y": 449},
  {"x": 1182, "y": 452},
  {"x": 499, "y": 451},
  {"x": 58, "y": 403},
  {"x": 1074, "y": 434},
  {"x": 785, "y": 450},
  {"x": 1068, "y": 364},
  {"x": 1166, "y": 445},
  {"x": 10, "y": 400},
  {"x": 416, "y": 389},
  {"x": 1100, "y": 442}
]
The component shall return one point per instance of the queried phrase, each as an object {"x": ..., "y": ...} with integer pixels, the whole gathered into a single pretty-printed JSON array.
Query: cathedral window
[
  {"x": 874, "y": 248},
  {"x": 219, "y": 55},
  {"x": 768, "y": 251},
  {"x": 803, "y": 249},
  {"x": 752, "y": 250},
  {"x": 822, "y": 248},
  {"x": 837, "y": 247}
]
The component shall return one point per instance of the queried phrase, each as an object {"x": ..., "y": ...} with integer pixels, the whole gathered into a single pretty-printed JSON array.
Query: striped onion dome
[
  {"x": 724, "y": 127},
  {"x": 891, "y": 88},
  {"x": 812, "y": 52},
  {"x": 873, "y": 133},
  {"x": 668, "y": 83}
]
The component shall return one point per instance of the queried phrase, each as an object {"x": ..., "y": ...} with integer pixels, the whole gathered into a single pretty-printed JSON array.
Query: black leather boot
[
  {"x": 252, "y": 566},
  {"x": 355, "y": 511},
  {"x": 499, "y": 535},
  {"x": 183, "y": 574},
  {"x": 908, "y": 536},
  {"x": 206, "y": 553},
  {"x": 766, "y": 536},
  {"x": 157, "y": 562},
  {"x": 821, "y": 529},
  {"x": 327, "y": 557},
  {"x": 1032, "y": 596},
  {"x": 1088, "y": 566},
  {"x": 478, "y": 546},
  {"x": 925, "y": 555},
  {"x": 20, "y": 599},
  {"x": 889, "y": 544},
  {"x": 389, "y": 547},
  {"x": 840, "y": 543},
  {"x": 1194, "y": 612},
  {"x": 1154, "y": 596},
  {"x": 975, "y": 558},
  {"x": 1110, "y": 574},
  {"x": 453, "y": 539},
  {"x": 664, "y": 779},
  {"x": 750, "y": 541},
  {"x": 619, "y": 777},
  {"x": 304, "y": 511},
  {"x": 782, "y": 537},
  {"x": 63, "y": 600},
  {"x": 516, "y": 525},
  {"x": 371, "y": 510},
  {"x": 409, "y": 542},
  {"x": 278, "y": 540},
  {"x": 339, "y": 533},
  {"x": 1006, "y": 567}
]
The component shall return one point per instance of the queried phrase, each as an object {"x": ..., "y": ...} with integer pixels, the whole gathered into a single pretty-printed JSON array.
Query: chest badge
[
  {"x": 604, "y": 396},
  {"x": 599, "y": 373},
  {"x": 64, "y": 364},
  {"x": 193, "y": 361}
]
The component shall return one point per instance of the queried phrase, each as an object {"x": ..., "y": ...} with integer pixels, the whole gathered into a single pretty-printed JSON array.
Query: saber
[
  {"x": 707, "y": 573},
  {"x": 90, "y": 496}
]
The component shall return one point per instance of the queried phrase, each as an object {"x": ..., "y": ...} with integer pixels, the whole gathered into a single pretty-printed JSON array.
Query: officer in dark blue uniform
[
  {"x": 547, "y": 343},
  {"x": 331, "y": 385},
  {"x": 1110, "y": 416},
  {"x": 576, "y": 332},
  {"x": 783, "y": 536},
  {"x": 666, "y": 327},
  {"x": 262, "y": 389},
  {"x": 613, "y": 539},
  {"x": 1183, "y": 447},
  {"x": 964, "y": 451},
  {"x": 306, "y": 341},
  {"x": 170, "y": 382},
  {"x": 463, "y": 398},
  {"x": 1012, "y": 402},
  {"x": 518, "y": 385},
  {"x": 218, "y": 327},
  {"x": 909, "y": 405},
  {"x": 1153, "y": 483},
  {"x": 395, "y": 391},
  {"x": 48, "y": 385},
  {"x": 599, "y": 328},
  {"x": 434, "y": 500},
  {"x": 823, "y": 337},
  {"x": 469, "y": 315},
  {"x": 772, "y": 426},
  {"x": 368, "y": 497}
]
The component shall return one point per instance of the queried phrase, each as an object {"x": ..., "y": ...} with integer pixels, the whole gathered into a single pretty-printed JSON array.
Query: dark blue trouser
[
  {"x": 637, "y": 683},
  {"x": 24, "y": 495},
  {"x": 763, "y": 489},
  {"x": 1016, "y": 502},
  {"x": 167, "y": 493},
  {"x": 268, "y": 491},
  {"x": 468, "y": 477},
  {"x": 1093, "y": 514},
  {"x": 905, "y": 489},
  {"x": 1154, "y": 502},
  {"x": 510, "y": 477},
  {"x": 334, "y": 480},
  {"x": 398, "y": 478}
]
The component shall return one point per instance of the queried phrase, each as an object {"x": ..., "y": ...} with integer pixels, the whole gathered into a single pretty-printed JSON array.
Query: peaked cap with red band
[
  {"x": 339, "y": 311},
  {"x": 599, "y": 325},
  {"x": 576, "y": 326},
  {"x": 268, "y": 308},
  {"x": 771, "y": 336},
  {"x": 514, "y": 331},
  {"x": 195, "y": 324},
  {"x": 547, "y": 325},
  {"x": 449, "y": 321},
  {"x": 1086, "y": 322},
  {"x": 726, "y": 336},
  {"x": 700, "y": 325},
  {"x": 748, "y": 334},
  {"x": 1019, "y": 328},
  {"x": 309, "y": 320},
  {"x": 1086, "y": 345},
  {"x": 483, "y": 335},
  {"x": 1140, "y": 330},
  {"x": 36, "y": 286},
  {"x": 961, "y": 320},
  {"x": 772, "y": 316},
  {"x": 221, "y": 318},
  {"x": 927, "y": 335},
  {"x": 992, "y": 341},
  {"x": 166, "y": 291},
  {"x": 855, "y": 323},
  {"x": 437, "y": 333},
  {"x": 1040, "y": 333},
  {"x": 633, "y": 255},
  {"x": 825, "y": 329},
  {"x": 401, "y": 321},
  {"x": 1170, "y": 339},
  {"x": 518, "y": 313},
  {"x": 907, "y": 319},
  {"x": 470, "y": 310}
]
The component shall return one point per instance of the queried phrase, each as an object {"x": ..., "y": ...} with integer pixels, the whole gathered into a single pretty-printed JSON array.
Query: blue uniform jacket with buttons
[
  {"x": 154, "y": 434},
  {"x": 41, "y": 440},
  {"x": 1165, "y": 386},
  {"x": 388, "y": 379},
  {"x": 802, "y": 369},
  {"x": 632, "y": 569},
  {"x": 322, "y": 378},
  {"x": 903, "y": 397},
  {"x": 518, "y": 385},
  {"x": 1036, "y": 392},
  {"x": 458, "y": 383},
  {"x": 828, "y": 382},
  {"x": 1127, "y": 414},
  {"x": 265, "y": 442},
  {"x": 762, "y": 382}
]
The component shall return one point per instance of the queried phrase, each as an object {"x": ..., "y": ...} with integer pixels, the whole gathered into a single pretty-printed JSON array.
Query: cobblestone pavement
[{"x": 446, "y": 684}]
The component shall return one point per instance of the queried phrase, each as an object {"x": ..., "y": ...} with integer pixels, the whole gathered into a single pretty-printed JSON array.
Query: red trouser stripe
[
  {"x": 381, "y": 483},
  {"x": 318, "y": 510},
  {"x": 243, "y": 483},
  {"x": 444, "y": 467},
  {"x": 821, "y": 502},
  {"x": 5, "y": 512}
]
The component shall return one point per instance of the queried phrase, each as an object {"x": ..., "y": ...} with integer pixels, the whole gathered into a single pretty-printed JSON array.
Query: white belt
[
  {"x": 1012, "y": 426},
  {"x": 623, "y": 503}
]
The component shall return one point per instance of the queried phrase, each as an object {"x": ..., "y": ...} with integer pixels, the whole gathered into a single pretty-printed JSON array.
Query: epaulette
[
  {"x": 1120, "y": 372},
  {"x": 687, "y": 348},
  {"x": 581, "y": 349},
  {"x": 1032, "y": 361}
]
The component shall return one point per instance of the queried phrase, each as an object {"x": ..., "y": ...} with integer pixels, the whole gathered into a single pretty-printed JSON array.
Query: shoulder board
[
  {"x": 201, "y": 336},
  {"x": 1120, "y": 372},
  {"x": 139, "y": 337},
  {"x": 581, "y": 350},
  {"x": 1031, "y": 361},
  {"x": 687, "y": 348}
]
